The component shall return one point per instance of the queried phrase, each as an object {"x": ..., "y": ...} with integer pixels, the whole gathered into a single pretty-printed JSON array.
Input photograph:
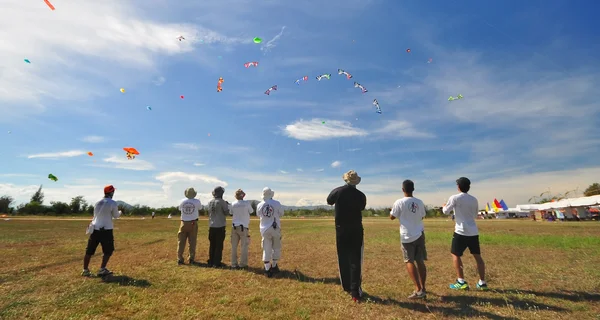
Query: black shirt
[{"x": 349, "y": 204}]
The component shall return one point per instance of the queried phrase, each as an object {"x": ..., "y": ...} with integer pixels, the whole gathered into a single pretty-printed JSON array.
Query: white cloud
[
  {"x": 93, "y": 139},
  {"x": 315, "y": 129},
  {"x": 56, "y": 155},
  {"x": 353, "y": 149},
  {"x": 134, "y": 164},
  {"x": 299, "y": 170},
  {"x": 271, "y": 43},
  {"x": 400, "y": 128},
  {"x": 198, "y": 164},
  {"x": 159, "y": 81},
  {"x": 186, "y": 146},
  {"x": 320, "y": 170},
  {"x": 336, "y": 164},
  {"x": 284, "y": 172},
  {"x": 175, "y": 183}
]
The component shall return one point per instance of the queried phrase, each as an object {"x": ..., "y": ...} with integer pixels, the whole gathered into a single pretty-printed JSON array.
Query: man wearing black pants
[
  {"x": 349, "y": 203},
  {"x": 218, "y": 210}
]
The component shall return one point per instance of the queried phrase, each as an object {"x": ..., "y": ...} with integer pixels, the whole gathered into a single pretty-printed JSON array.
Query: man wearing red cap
[{"x": 102, "y": 232}]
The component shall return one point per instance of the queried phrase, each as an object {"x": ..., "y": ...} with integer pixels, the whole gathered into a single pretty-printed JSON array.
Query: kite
[
  {"x": 122, "y": 90},
  {"x": 248, "y": 64},
  {"x": 219, "y": 88},
  {"x": 340, "y": 71},
  {"x": 268, "y": 92},
  {"x": 429, "y": 61},
  {"x": 90, "y": 153},
  {"x": 27, "y": 60},
  {"x": 181, "y": 97},
  {"x": 458, "y": 97},
  {"x": 305, "y": 78},
  {"x": 52, "y": 177},
  {"x": 8, "y": 131},
  {"x": 257, "y": 40},
  {"x": 358, "y": 85},
  {"x": 131, "y": 153},
  {"x": 49, "y": 4},
  {"x": 148, "y": 107},
  {"x": 408, "y": 50},
  {"x": 326, "y": 75},
  {"x": 180, "y": 38},
  {"x": 376, "y": 104}
]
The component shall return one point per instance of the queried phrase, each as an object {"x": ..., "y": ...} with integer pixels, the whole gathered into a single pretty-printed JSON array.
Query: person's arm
[
  {"x": 225, "y": 206},
  {"x": 395, "y": 212},
  {"x": 332, "y": 198},
  {"x": 115, "y": 211},
  {"x": 364, "y": 202},
  {"x": 448, "y": 207}
]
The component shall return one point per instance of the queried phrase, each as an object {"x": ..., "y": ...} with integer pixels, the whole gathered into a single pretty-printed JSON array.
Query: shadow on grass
[
  {"x": 126, "y": 281},
  {"x": 153, "y": 242},
  {"x": 574, "y": 296},
  {"x": 464, "y": 306}
]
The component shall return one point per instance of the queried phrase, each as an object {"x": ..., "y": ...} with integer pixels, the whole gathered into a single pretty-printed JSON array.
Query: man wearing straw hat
[
  {"x": 240, "y": 210},
  {"x": 188, "y": 229},
  {"x": 349, "y": 203}
]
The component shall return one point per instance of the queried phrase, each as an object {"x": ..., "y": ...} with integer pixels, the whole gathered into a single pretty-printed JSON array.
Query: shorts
[
  {"x": 104, "y": 238},
  {"x": 415, "y": 251},
  {"x": 460, "y": 243}
]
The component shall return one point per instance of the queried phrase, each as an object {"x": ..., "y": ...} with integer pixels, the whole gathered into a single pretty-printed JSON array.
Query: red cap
[{"x": 109, "y": 189}]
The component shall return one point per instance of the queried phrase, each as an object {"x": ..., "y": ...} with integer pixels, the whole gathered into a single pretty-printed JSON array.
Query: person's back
[
  {"x": 270, "y": 212},
  {"x": 465, "y": 212},
  {"x": 189, "y": 209},
  {"x": 217, "y": 213},
  {"x": 104, "y": 211},
  {"x": 240, "y": 210},
  {"x": 349, "y": 204},
  {"x": 410, "y": 211}
]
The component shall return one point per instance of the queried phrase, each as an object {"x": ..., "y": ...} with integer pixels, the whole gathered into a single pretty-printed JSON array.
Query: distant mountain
[{"x": 123, "y": 204}]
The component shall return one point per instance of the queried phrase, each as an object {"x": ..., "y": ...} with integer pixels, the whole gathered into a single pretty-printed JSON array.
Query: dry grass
[{"x": 537, "y": 270}]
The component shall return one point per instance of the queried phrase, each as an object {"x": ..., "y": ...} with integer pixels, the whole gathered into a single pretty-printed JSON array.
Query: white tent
[{"x": 577, "y": 203}]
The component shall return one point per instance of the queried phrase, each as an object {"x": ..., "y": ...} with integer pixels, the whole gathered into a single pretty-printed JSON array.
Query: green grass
[{"x": 537, "y": 270}]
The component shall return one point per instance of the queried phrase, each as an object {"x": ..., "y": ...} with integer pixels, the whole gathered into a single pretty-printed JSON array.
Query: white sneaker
[
  {"x": 86, "y": 273},
  {"x": 104, "y": 272}
]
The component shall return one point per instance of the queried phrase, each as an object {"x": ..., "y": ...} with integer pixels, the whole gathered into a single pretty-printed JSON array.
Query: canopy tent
[{"x": 576, "y": 203}]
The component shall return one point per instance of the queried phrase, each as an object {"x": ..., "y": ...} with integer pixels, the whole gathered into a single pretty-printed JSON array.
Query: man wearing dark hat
[
  {"x": 466, "y": 235},
  {"x": 218, "y": 210},
  {"x": 349, "y": 203},
  {"x": 188, "y": 228},
  {"x": 102, "y": 232}
]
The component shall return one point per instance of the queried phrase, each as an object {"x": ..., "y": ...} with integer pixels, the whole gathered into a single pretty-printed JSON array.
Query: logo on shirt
[
  {"x": 267, "y": 211},
  {"x": 414, "y": 207},
  {"x": 188, "y": 208}
]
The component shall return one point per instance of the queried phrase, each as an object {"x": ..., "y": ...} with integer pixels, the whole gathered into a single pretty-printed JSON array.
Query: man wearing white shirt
[
  {"x": 410, "y": 212},
  {"x": 466, "y": 234},
  {"x": 240, "y": 210},
  {"x": 104, "y": 211},
  {"x": 188, "y": 229},
  {"x": 270, "y": 212}
]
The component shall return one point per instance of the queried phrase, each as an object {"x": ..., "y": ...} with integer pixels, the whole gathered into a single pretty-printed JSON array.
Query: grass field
[{"x": 537, "y": 270}]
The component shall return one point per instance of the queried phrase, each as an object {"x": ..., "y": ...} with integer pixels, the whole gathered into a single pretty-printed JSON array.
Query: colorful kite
[
  {"x": 27, "y": 60},
  {"x": 268, "y": 92},
  {"x": 90, "y": 154},
  {"x": 181, "y": 97},
  {"x": 348, "y": 75},
  {"x": 305, "y": 78},
  {"x": 219, "y": 88},
  {"x": 326, "y": 76},
  {"x": 49, "y": 4},
  {"x": 148, "y": 107},
  {"x": 180, "y": 38},
  {"x": 408, "y": 50},
  {"x": 52, "y": 177},
  {"x": 257, "y": 40},
  {"x": 358, "y": 85},
  {"x": 251, "y": 64},
  {"x": 131, "y": 153},
  {"x": 122, "y": 90},
  {"x": 430, "y": 60},
  {"x": 458, "y": 97},
  {"x": 376, "y": 103}
]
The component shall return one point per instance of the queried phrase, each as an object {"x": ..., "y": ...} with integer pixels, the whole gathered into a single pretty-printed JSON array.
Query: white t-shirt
[
  {"x": 241, "y": 210},
  {"x": 104, "y": 211},
  {"x": 189, "y": 209},
  {"x": 465, "y": 208},
  {"x": 270, "y": 211},
  {"x": 410, "y": 212}
]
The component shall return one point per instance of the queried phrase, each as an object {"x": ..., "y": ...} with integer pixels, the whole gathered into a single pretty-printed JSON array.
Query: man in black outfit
[{"x": 349, "y": 204}]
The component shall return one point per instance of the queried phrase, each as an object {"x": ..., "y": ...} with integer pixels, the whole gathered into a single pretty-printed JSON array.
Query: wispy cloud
[
  {"x": 198, "y": 164},
  {"x": 284, "y": 172},
  {"x": 299, "y": 170},
  {"x": 56, "y": 155},
  {"x": 321, "y": 129},
  {"x": 271, "y": 43},
  {"x": 353, "y": 149},
  {"x": 336, "y": 164},
  {"x": 93, "y": 139},
  {"x": 186, "y": 146},
  {"x": 320, "y": 170},
  {"x": 159, "y": 81},
  {"x": 401, "y": 128},
  {"x": 124, "y": 163}
]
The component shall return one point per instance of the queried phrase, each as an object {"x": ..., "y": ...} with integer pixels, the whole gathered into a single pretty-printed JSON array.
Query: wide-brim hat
[
  {"x": 351, "y": 177},
  {"x": 190, "y": 193}
]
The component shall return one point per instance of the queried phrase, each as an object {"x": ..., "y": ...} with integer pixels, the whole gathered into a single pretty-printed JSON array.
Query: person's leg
[
  {"x": 459, "y": 244},
  {"x": 458, "y": 266},
  {"x": 343, "y": 258},
  {"x": 221, "y": 232},
  {"x": 356, "y": 256},
  {"x": 181, "y": 237},
  {"x": 244, "y": 237},
  {"x": 475, "y": 250},
  {"x": 420, "y": 257},
  {"x": 86, "y": 261},
  {"x": 480, "y": 266},
  {"x": 408, "y": 252},
  {"x": 422, "y": 273},
  {"x": 276, "y": 246},
  {"x": 90, "y": 250},
  {"x": 267, "y": 245},
  {"x": 107, "y": 242},
  {"x": 235, "y": 239},
  {"x": 193, "y": 239},
  {"x": 211, "y": 246}
]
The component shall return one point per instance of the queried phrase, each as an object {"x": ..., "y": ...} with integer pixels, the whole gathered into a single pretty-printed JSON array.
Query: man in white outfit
[
  {"x": 270, "y": 212},
  {"x": 240, "y": 210}
]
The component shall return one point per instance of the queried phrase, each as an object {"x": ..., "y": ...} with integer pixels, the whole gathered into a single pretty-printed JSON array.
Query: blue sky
[{"x": 528, "y": 123}]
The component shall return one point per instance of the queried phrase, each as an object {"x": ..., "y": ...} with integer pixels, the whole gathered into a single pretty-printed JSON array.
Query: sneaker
[
  {"x": 417, "y": 295},
  {"x": 268, "y": 273},
  {"x": 482, "y": 287},
  {"x": 103, "y": 272},
  {"x": 275, "y": 269},
  {"x": 180, "y": 262},
  {"x": 356, "y": 299},
  {"x": 86, "y": 273},
  {"x": 192, "y": 262},
  {"x": 459, "y": 286}
]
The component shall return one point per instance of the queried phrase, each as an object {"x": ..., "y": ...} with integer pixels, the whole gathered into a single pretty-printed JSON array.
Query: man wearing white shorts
[
  {"x": 240, "y": 210},
  {"x": 410, "y": 211},
  {"x": 270, "y": 212}
]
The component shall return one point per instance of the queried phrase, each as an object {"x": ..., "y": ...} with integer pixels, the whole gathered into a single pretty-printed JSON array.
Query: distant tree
[
  {"x": 592, "y": 190},
  {"x": 38, "y": 196},
  {"x": 5, "y": 202},
  {"x": 76, "y": 204},
  {"x": 59, "y": 208}
]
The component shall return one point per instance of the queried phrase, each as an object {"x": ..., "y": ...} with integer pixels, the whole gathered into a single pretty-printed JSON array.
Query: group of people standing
[{"x": 349, "y": 203}]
